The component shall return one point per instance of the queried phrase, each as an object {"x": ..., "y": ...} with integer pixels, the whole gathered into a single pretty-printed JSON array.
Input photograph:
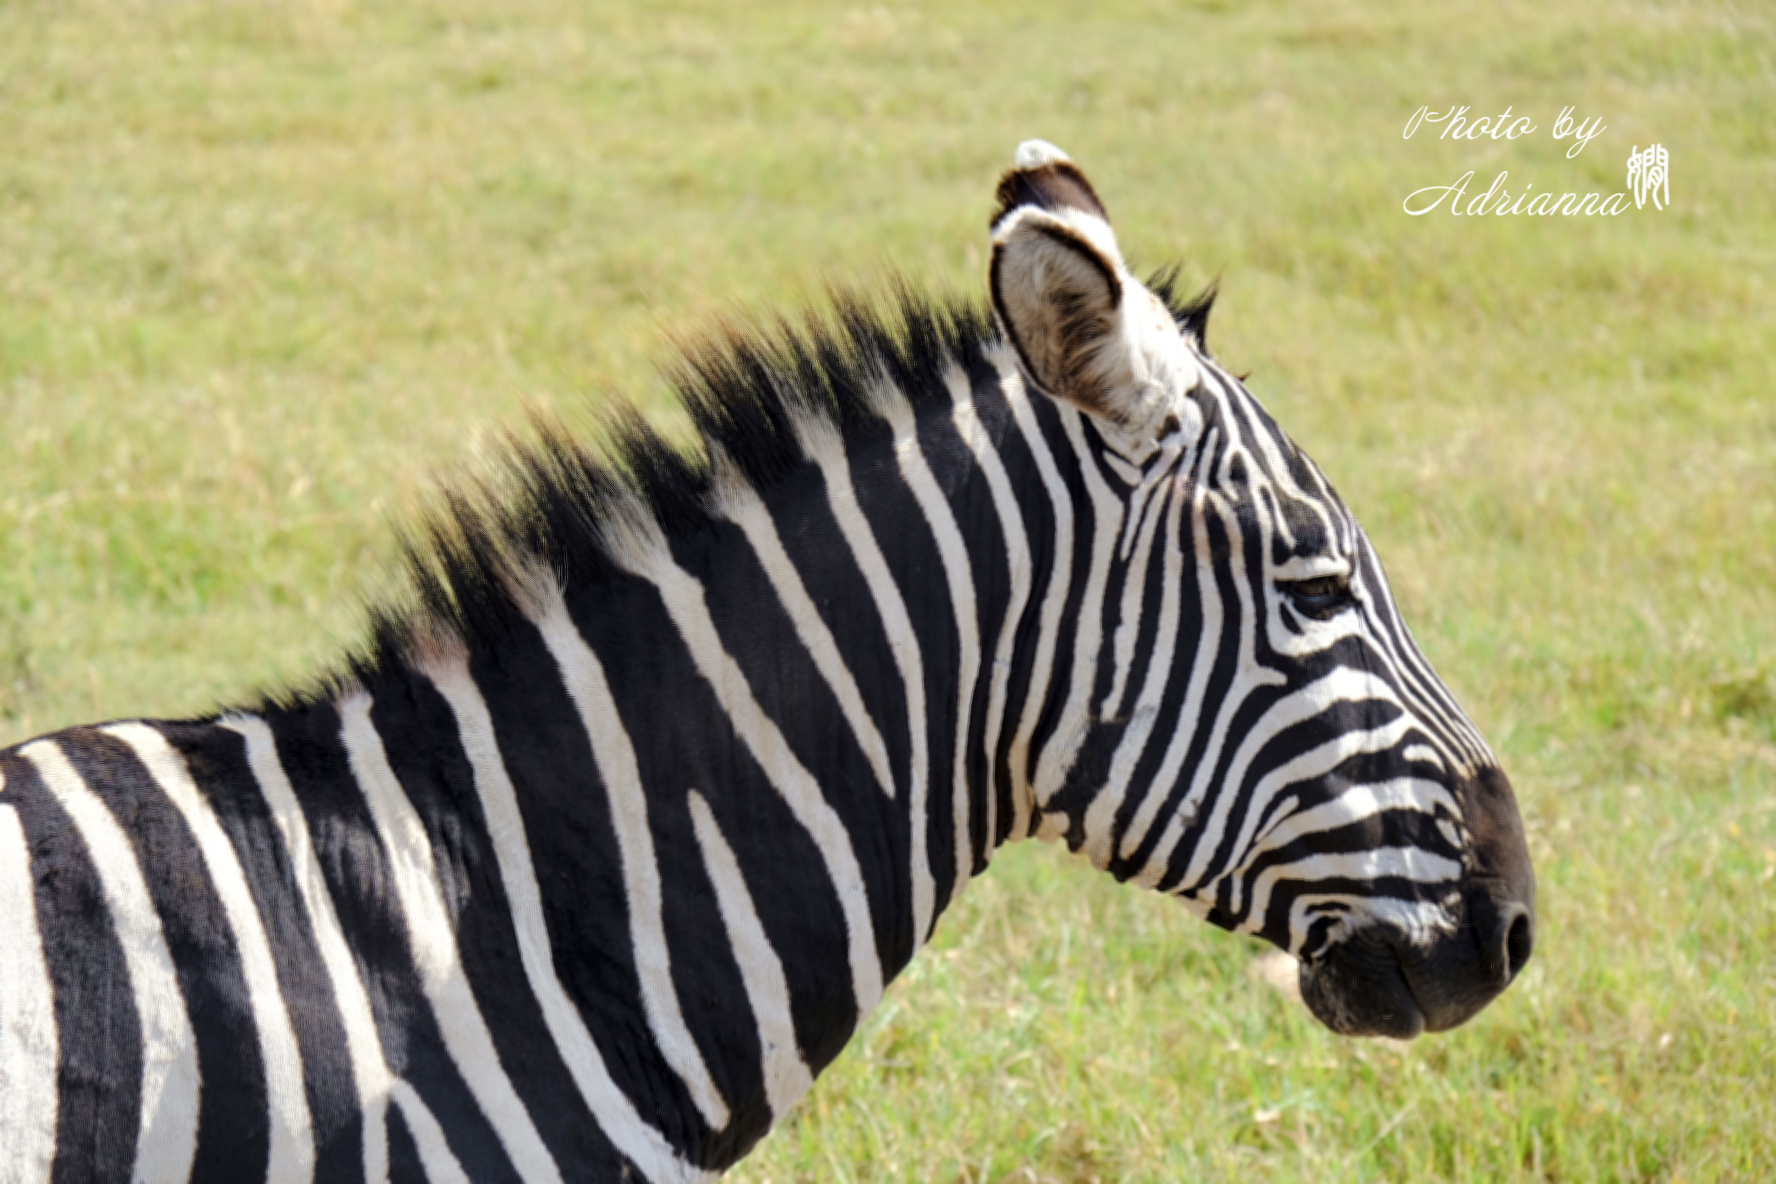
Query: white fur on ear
[{"x": 1033, "y": 154}]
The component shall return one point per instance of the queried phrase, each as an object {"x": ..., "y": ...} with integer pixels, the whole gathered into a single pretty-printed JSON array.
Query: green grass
[{"x": 265, "y": 269}]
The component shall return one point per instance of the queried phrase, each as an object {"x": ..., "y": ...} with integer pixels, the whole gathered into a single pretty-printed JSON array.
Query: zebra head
[{"x": 1262, "y": 738}]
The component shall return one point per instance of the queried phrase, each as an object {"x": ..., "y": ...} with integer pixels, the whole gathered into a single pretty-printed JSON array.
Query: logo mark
[{"x": 1649, "y": 175}]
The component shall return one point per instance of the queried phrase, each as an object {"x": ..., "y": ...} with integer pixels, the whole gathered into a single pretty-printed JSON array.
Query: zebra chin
[{"x": 1382, "y": 981}]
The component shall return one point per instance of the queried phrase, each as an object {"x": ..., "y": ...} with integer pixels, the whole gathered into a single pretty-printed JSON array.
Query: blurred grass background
[{"x": 266, "y": 269}]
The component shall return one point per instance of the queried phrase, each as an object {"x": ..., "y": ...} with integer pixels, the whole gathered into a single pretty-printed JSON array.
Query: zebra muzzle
[{"x": 1381, "y": 981}]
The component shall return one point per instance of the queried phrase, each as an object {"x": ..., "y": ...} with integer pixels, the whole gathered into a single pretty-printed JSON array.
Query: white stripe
[
  {"x": 952, "y": 554},
  {"x": 787, "y": 1076},
  {"x": 291, "y": 1155},
  {"x": 615, "y": 1113},
  {"x": 30, "y": 1050},
  {"x": 370, "y": 1073},
  {"x": 1342, "y": 685},
  {"x": 433, "y": 940},
  {"x": 841, "y": 498},
  {"x": 1054, "y": 596},
  {"x": 1064, "y": 742},
  {"x": 166, "y": 1139},
  {"x": 1424, "y": 753},
  {"x": 1143, "y": 484},
  {"x": 1418, "y": 920},
  {"x": 435, "y": 1157},
  {"x": 583, "y": 676},
  {"x": 1017, "y": 560},
  {"x": 1353, "y": 805},
  {"x": 1148, "y": 506},
  {"x": 1309, "y": 908},
  {"x": 1312, "y": 765},
  {"x": 683, "y": 598},
  {"x": 745, "y": 509},
  {"x": 1100, "y": 816},
  {"x": 1130, "y": 475},
  {"x": 1249, "y": 675},
  {"x": 1309, "y": 766},
  {"x": 1202, "y": 663},
  {"x": 1406, "y": 863}
]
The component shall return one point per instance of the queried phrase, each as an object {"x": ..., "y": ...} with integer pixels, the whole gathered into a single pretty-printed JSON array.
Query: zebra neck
[{"x": 699, "y": 809}]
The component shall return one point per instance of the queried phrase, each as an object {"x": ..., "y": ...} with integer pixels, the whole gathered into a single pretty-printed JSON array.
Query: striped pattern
[{"x": 590, "y": 869}]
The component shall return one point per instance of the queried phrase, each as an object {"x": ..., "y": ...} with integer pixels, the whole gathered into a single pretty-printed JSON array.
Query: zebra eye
[{"x": 1321, "y": 598}]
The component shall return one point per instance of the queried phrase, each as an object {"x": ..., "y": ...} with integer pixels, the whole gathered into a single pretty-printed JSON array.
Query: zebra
[{"x": 602, "y": 845}]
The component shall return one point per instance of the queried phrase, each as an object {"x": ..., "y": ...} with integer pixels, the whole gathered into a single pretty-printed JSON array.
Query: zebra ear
[{"x": 1081, "y": 323}]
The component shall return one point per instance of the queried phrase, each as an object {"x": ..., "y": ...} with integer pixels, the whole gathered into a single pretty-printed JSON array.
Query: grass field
[{"x": 265, "y": 269}]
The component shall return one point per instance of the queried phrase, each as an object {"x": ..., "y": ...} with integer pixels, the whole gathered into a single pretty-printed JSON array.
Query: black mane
[{"x": 552, "y": 495}]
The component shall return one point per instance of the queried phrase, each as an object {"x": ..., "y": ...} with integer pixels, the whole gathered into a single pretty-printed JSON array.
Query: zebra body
[{"x": 600, "y": 853}]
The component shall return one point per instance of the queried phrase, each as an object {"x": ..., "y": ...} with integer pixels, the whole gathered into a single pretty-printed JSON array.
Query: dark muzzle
[{"x": 1379, "y": 982}]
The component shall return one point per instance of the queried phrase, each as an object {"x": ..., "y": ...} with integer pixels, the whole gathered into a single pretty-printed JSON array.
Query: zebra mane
[{"x": 754, "y": 391}]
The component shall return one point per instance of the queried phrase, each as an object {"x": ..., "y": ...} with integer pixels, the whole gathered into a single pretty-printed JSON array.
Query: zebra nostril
[{"x": 1519, "y": 941}]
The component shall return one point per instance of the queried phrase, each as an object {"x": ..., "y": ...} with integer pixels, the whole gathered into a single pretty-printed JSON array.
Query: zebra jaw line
[{"x": 601, "y": 850}]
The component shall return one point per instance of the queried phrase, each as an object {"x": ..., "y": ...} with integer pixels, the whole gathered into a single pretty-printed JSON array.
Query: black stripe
[
  {"x": 99, "y": 1076},
  {"x": 419, "y": 733},
  {"x": 216, "y": 757},
  {"x": 835, "y": 583},
  {"x": 705, "y": 975},
  {"x": 909, "y": 549},
  {"x": 234, "y": 1121},
  {"x": 1163, "y": 503},
  {"x": 573, "y": 845},
  {"x": 994, "y": 585},
  {"x": 971, "y": 502},
  {"x": 404, "y": 1165},
  {"x": 361, "y": 884},
  {"x": 1169, "y": 718},
  {"x": 1221, "y": 651},
  {"x": 1053, "y": 696},
  {"x": 1248, "y": 711},
  {"x": 757, "y": 632},
  {"x": 1097, "y": 748},
  {"x": 684, "y": 741},
  {"x": 1324, "y": 727}
]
